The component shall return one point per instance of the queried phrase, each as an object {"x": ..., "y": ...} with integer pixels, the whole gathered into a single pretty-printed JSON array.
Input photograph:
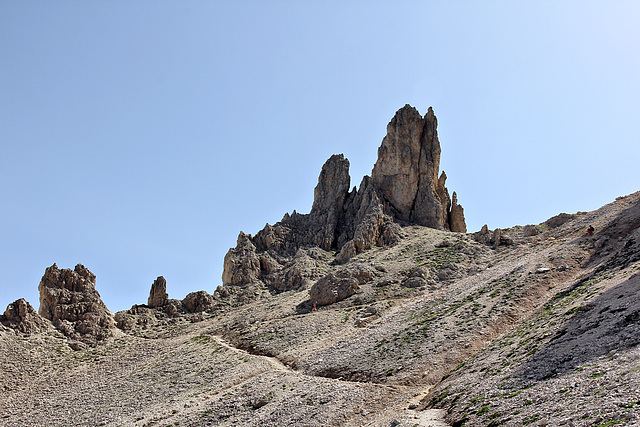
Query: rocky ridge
[
  {"x": 404, "y": 188},
  {"x": 530, "y": 325}
]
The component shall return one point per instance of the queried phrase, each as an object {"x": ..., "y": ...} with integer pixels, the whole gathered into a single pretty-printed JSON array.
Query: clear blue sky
[{"x": 139, "y": 138}]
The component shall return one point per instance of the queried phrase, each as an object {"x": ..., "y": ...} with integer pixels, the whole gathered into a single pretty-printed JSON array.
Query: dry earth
[{"x": 446, "y": 331}]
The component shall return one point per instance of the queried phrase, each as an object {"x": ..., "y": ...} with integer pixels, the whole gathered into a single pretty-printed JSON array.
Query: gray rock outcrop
[
  {"x": 68, "y": 298},
  {"x": 404, "y": 188},
  {"x": 22, "y": 317},
  {"x": 342, "y": 284},
  {"x": 158, "y": 296}
]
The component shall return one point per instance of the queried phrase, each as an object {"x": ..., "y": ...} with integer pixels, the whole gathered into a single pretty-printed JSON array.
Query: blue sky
[{"x": 139, "y": 138}]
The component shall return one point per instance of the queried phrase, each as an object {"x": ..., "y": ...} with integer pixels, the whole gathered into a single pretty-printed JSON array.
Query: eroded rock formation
[
  {"x": 69, "y": 299},
  {"x": 158, "y": 296},
  {"x": 404, "y": 188},
  {"x": 21, "y": 316}
]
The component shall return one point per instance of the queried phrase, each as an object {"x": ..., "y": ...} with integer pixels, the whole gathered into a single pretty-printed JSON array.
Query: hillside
[{"x": 355, "y": 314}]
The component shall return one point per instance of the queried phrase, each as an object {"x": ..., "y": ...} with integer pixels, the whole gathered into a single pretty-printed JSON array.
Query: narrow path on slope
[
  {"x": 425, "y": 418},
  {"x": 273, "y": 361}
]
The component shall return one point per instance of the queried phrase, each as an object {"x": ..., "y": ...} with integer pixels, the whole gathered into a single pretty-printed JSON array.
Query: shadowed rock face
[
  {"x": 404, "y": 187},
  {"x": 69, "y": 299}
]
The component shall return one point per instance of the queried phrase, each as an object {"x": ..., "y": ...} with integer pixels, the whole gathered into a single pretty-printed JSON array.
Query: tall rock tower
[
  {"x": 406, "y": 173},
  {"x": 404, "y": 188}
]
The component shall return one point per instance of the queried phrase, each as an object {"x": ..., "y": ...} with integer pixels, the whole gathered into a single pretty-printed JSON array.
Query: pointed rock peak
[
  {"x": 333, "y": 185},
  {"x": 456, "y": 217},
  {"x": 430, "y": 114},
  {"x": 21, "y": 316},
  {"x": 70, "y": 300},
  {"x": 158, "y": 296}
]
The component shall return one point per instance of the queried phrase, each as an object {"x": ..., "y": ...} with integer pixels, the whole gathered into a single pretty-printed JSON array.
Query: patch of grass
[
  {"x": 611, "y": 422},
  {"x": 201, "y": 339},
  {"x": 477, "y": 399},
  {"x": 597, "y": 375},
  {"x": 483, "y": 410},
  {"x": 531, "y": 419},
  {"x": 630, "y": 404}
]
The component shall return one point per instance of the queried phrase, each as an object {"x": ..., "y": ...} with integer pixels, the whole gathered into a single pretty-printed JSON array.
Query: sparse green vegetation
[{"x": 531, "y": 419}]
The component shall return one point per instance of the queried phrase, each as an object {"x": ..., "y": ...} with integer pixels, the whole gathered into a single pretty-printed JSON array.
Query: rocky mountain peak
[
  {"x": 158, "y": 296},
  {"x": 404, "y": 188},
  {"x": 68, "y": 298},
  {"x": 22, "y": 317},
  {"x": 406, "y": 172}
]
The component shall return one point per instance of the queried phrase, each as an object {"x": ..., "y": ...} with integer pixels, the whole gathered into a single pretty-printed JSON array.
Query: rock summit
[{"x": 405, "y": 188}]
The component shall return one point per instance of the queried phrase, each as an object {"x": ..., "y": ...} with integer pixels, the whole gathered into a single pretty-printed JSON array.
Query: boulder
[
  {"x": 558, "y": 220},
  {"x": 158, "y": 296},
  {"x": 22, "y": 317},
  {"x": 530, "y": 230},
  {"x": 68, "y": 298},
  {"x": 331, "y": 289},
  {"x": 484, "y": 235},
  {"x": 196, "y": 302}
]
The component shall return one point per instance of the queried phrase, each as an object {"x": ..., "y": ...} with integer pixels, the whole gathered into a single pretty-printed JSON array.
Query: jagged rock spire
[
  {"x": 404, "y": 188},
  {"x": 406, "y": 172}
]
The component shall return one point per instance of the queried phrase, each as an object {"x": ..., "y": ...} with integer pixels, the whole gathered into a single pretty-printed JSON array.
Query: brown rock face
[
  {"x": 69, "y": 299},
  {"x": 241, "y": 264},
  {"x": 332, "y": 289},
  {"x": 328, "y": 201},
  {"x": 457, "y": 216},
  {"x": 198, "y": 301},
  {"x": 406, "y": 173},
  {"x": 158, "y": 296},
  {"x": 404, "y": 187},
  {"x": 21, "y": 316}
]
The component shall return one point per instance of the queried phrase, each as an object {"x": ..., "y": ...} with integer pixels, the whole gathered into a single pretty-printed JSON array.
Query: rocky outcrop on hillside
[
  {"x": 68, "y": 298},
  {"x": 158, "y": 296},
  {"x": 406, "y": 173},
  {"x": 22, "y": 317},
  {"x": 160, "y": 309},
  {"x": 404, "y": 188}
]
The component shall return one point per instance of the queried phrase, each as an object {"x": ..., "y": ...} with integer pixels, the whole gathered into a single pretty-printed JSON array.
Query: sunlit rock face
[{"x": 404, "y": 188}]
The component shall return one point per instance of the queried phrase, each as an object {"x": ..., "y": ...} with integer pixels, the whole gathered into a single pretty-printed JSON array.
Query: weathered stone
[
  {"x": 21, "y": 316},
  {"x": 347, "y": 252},
  {"x": 458, "y": 223},
  {"x": 406, "y": 172},
  {"x": 198, "y": 301},
  {"x": 241, "y": 264},
  {"x": 404, "y": 188},
  {"x": 530, "y": 230},
  {"x": 331, "y": 289},
  {"x": 328, "y": 199},
  {"x": 414, "y": 282},
  {"x": 558, "y": 220},
  {"x": 69, "y": 299},
  {"x": 361, "y": 272},
  {"x": 158, "y": 296}
]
